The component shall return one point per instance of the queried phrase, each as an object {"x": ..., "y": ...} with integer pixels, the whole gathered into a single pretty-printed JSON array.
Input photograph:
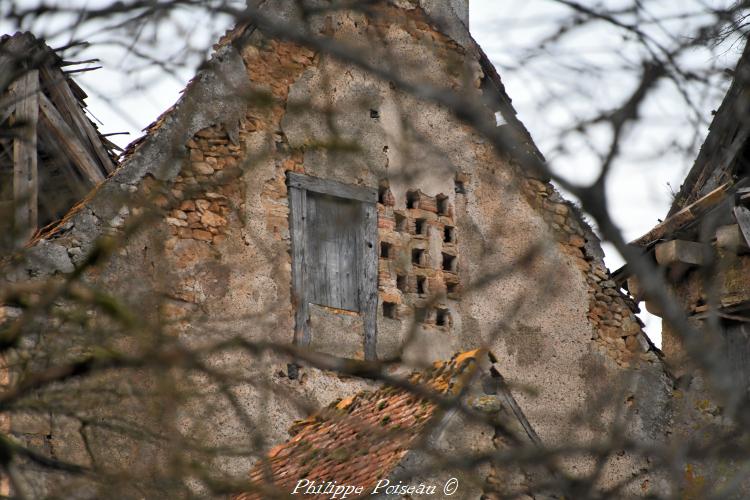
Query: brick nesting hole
[
  {"x": 410, "y": 272},
  {"x": 449, "y": 262},
  {"x": 401, "y": 223},
  {"x": 449, "y": 234},
  {"x": 443, "y": 205},
  {"x": 401, "y": 282},
  {"x": 420, "y": 227},
  {"x": 412, "y": 199},
  {"x": 389, "y": 310},
  {"x": 442, "y": 317},
  {"x": 417, "y": 256},
  {"x": 386, "y": 250}
]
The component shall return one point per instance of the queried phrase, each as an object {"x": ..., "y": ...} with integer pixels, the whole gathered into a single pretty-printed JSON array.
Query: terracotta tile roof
[{"x": 359, "y": 440}]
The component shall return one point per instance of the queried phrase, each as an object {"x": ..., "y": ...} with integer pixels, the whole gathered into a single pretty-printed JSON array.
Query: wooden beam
[
  {"x": 683, "y": 217},
  {"x": 679, "y": 252},
  {"x": 6, "y": 109},
  {"x": 634, "y": 288},
  {"x": 731, "y": 239},
  {"x": 25, "y": 177},
  {"x": 333, "y": 188},
  {"x": 68, "y": 141},
  {"x": 47, "y": 144},
  {"x": 56, "y": 84},
  {"x": 742, "y": 214},
  {"x": 368, "y": 274}
]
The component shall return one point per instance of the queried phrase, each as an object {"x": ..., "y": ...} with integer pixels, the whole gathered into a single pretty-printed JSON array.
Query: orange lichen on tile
[{"x": 360, "y": 439}]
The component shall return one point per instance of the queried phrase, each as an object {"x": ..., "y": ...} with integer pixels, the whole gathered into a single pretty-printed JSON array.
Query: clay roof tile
[{"x": 363, "y": 446}]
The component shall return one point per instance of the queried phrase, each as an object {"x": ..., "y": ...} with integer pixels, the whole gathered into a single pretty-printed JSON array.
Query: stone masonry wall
[
  {"x": 612, "y": 314},
  {"x": 227, "y": 239},
  {"x": 418, "y": 258}
]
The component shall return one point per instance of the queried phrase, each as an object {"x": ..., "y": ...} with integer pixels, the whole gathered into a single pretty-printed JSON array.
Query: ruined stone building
[
  {"x": 708, "y": 227},
  {"x": 701, "y": 246},
  {"x": 306, "y": 210}
]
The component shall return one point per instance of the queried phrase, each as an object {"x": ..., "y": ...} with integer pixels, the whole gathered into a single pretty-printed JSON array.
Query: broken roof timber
[
  {"x": 684, "y": 217},
  {"x": 69, "y": 141},
  {"x": 58, "y": 86},
  {"x": 66, "y": 144},
  {"x": 721, "y": 157},
  {"x": 25, "y": 177}
]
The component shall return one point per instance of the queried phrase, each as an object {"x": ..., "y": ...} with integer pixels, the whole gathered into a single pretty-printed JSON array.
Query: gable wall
[{"x": 218, "y": 263}]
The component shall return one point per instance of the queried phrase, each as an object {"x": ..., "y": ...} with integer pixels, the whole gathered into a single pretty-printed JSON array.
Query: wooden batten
[
  {"x": 25, "y": 176},
  {"x": 68, "y": 141},
  {"x": 55, "y": 83}
]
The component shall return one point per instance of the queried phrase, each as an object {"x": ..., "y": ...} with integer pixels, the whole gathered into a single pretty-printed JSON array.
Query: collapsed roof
[
  {"x": 361, "y": 439},
  {"x": 51, "y": 153},
  {"x": 713, "y": 203},
  {"x": 723, "y": 157},
  {"x": 722, "y": 164}
]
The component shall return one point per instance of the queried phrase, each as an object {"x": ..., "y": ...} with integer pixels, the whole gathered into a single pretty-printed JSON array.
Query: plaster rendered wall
[{"x": 218, "y": 263}]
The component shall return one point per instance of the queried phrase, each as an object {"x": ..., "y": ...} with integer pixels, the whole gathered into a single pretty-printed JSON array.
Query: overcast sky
[
  {"x": 652, "y": 167},
  {"x": 639, "y": 188}
]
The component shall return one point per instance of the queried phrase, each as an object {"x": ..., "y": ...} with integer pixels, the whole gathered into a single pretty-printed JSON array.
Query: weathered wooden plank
[
  {"x": 297, "y": 217},
  {"x": 737, "y": 345},
  {"x": 6, "y": 214},
  {"x": 13, "y": 50},
  {"x": 25, "y": 176},
  {"x": 68, "y": 141},
  {"x": 742, "y": 214},
  {"x": 331, "y": 254},
  {"x": 333, "y": 188},
  {"x": 6, "y": 109},
  {"x": 56, "y": 84},
  {"x": 48, "y": 142},
  {"x": 368, "y": 271},
  {"x": 683, "y": 217}
]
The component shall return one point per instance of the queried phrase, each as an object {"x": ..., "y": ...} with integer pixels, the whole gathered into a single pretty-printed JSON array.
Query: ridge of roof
[{"x": 360, "y": 439}]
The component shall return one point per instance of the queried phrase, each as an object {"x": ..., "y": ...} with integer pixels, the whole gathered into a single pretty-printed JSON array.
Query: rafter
[
  {"x": 25, "y": 176},
  {"x": 68, "y": 141}
]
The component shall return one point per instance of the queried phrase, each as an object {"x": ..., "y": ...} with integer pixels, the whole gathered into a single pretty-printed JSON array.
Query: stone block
[{"x": 201, "y": 235}]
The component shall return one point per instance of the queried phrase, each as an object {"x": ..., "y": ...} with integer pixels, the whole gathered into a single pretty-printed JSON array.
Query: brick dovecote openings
[{"x": 418, "y": 258}]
